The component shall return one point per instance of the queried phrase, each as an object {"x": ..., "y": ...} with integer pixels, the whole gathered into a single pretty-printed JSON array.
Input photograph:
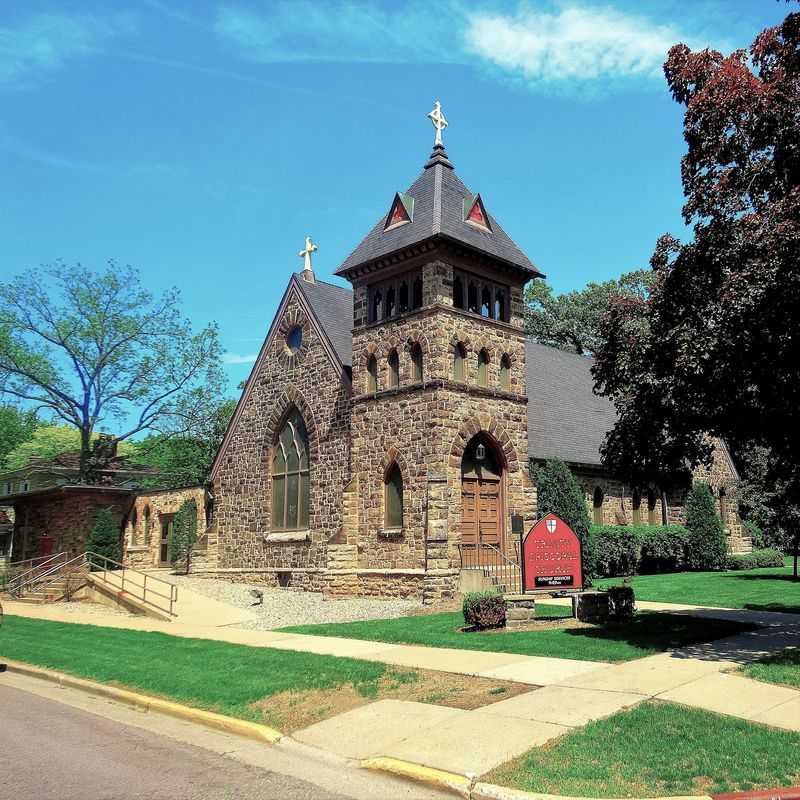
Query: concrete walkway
[{"x": 565, "y": 693}]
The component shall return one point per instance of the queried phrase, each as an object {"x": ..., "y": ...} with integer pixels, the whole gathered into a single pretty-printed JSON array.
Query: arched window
[
  {"x": 723, "y": 505},
  {"x": 486, "y": 302},
  {"x": 389, "y": 311},
  {"x": 404, "y": 306},
  {"x": 500, "y": 305},
  {"x": 505, "y": 372},
  {"x": 651, "y": 507},
  {"x": 147, "y": 525},
  {"x": 134, "y": 532},
  {"x": 393, "y": 493},
  {"x": 377, "y": 306},
  {"x": 598, "y": 506},
  {"x": 372, "y": 374},
  {"x": 472, "y": 298},
  {"x": 636, "y": 505},
  {"x": 459, "y": 359},
  {"x": 393, "y": 363},
  {"x": 290, "y": 487},
  {"x": 417, "y": 375},
  {"x": 483, "y": 368}
]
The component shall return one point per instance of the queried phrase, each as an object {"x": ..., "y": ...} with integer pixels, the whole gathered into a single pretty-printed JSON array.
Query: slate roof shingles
[{"x": 333, "y": 308}]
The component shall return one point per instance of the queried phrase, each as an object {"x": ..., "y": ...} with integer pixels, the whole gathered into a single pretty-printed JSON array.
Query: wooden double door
[{"x": 481, "y": 511}]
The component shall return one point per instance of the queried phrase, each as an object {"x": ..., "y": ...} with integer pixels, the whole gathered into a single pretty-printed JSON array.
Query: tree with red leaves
[{"x": 715, "y": 348}]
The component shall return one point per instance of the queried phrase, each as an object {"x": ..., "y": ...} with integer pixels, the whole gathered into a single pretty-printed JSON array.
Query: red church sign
[{"x": 551, "y": 556}]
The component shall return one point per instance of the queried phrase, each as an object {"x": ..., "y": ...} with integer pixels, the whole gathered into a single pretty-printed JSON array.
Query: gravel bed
[{"x": 284, "y": 607}]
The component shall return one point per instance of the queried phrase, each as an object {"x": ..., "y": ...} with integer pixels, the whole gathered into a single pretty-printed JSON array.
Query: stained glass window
[
  {"x": 290, "y": 476},
  {"x": 394, "y": 498}
]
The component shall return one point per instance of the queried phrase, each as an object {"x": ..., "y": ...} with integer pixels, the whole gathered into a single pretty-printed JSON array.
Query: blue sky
[{"x": 201, "y": 141}]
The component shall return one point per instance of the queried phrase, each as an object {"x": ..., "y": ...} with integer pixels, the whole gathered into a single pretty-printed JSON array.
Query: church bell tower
[{"x": 439, "y": 417}]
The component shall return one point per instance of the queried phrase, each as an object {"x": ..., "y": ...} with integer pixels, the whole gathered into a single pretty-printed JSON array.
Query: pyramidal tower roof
[{"x": 437, "y": 206}]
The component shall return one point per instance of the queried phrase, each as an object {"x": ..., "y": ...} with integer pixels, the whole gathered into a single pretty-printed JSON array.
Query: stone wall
[
  {"x": 309, "y": 381},
  {"x": 618, "y": 498},
  {"x": 143, "y": 523},
  {"x": 66, "y": 516}
]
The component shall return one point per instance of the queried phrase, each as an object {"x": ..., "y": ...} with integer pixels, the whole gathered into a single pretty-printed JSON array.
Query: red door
[{"x": 46, "y": 546}]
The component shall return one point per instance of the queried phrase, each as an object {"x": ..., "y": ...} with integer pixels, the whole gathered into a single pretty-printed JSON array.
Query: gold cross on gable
[
  {"x": 439, "y": 122},
  {"x": 305, "y": 254}
]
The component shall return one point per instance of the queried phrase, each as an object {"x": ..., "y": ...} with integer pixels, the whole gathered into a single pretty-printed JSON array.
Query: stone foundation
[{"x": 520, "y": 610}]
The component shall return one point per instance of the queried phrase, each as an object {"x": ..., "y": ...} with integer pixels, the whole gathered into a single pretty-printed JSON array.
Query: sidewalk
[{"x": 572, "y": 692}]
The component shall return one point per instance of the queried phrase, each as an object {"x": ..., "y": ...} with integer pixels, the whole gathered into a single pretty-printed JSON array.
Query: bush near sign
[{"x": 551, "y": 557}]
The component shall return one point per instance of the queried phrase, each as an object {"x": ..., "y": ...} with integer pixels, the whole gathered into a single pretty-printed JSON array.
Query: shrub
[
  {"x": 484, "y": 610},
  {"x": 706, "y": 547},
  {"x": 758, "y": 559},
  {"x": 613, "y": 550},
  {"x": 184, "y": 534},
  {"x": 663, "y": 547},
  {"x": 104, "y": 537},
  {"x": 621, "y": 603},
  {"x": 558, "y": 493}
]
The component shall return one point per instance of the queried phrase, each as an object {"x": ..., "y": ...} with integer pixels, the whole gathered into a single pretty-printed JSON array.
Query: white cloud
[
  {"x": 236, "y": 358},
  {"x": 47, "y": 41},
  {"x": 574, "y": 43},
  {"x": 351, "y": 31}
]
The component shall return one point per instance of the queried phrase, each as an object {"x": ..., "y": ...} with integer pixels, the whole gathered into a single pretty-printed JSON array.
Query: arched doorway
[{"x": 482, "y": 499}]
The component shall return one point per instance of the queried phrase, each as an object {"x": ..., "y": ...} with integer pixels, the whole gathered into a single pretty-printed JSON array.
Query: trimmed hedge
[
  {"x": 615, "y": 550},
  {"x": 484, "y": 610},
  {"x": 765, "y": 557}
]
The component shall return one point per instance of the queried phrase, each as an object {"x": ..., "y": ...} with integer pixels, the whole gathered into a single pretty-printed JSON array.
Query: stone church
[{"x": 386, "y": 430}]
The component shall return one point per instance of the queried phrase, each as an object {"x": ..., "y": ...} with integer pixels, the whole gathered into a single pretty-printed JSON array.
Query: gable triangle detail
[
  {"x": 402, "y": 210},
  {"x": 475, "y": 212}
]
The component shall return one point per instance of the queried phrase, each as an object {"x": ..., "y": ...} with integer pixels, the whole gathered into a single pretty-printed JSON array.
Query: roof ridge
[
  {"x": 326, "y": 283},
  {"x": 529, "y": 338}
]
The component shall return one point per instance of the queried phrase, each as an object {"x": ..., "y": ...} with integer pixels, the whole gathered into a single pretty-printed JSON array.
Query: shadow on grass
[
  {"x": 660, "y": 631},
  {"x": 772, "y": 607}
]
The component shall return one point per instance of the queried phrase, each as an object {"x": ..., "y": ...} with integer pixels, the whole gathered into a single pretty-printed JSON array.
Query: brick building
[{"x": 385, "y": 426}]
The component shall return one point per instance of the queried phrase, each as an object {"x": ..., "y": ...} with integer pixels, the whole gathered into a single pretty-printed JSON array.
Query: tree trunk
[
  {"x": 796, "y": 548},
  {"x": 86, "y": 452},
  {"x": 663, "y": 507}
]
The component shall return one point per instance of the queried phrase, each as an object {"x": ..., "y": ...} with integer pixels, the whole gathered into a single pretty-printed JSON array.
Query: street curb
[
  {"x": 241, "y": 727},
  {"x": 449, "y": 781},
  {"x": 490, "y": 791}
]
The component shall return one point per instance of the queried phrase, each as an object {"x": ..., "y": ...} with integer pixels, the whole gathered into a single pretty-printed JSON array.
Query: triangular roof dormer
[
  {"x": 475, "y": 213},
  {"x": 401, "y": 212}
]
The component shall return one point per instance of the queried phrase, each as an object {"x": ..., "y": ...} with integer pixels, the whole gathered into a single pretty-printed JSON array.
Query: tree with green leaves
[
  {"x": 571, "y": 321},
  {"x": 97, "y": 348},
  {"x": 559, "y": 493},
  {"x": 706, "y": 547},
  {"x": 104, "y": 538},
  {"x": 17, "y": 426},
  {"x": 184, "y": 460},
  {"x": 184, "y": 535},
  {"x": 714, "y": 348}
]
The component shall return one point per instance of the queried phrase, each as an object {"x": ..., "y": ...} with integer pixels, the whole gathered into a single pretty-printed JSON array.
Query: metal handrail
[
  {"x": 101, "y": 563},
  {"x": 22, "y": 578},
  {"x": 493, "y": 562}
]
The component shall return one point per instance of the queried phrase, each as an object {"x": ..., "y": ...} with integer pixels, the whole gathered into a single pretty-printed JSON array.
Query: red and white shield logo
[{"x": 551, "y": 525}]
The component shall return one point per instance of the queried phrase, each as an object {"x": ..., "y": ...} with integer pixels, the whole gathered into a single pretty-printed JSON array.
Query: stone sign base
[{"x": 520, "y": 610}]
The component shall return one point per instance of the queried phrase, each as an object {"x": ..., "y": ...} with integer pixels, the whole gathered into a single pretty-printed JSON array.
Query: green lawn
[
  {"x": 757, "y": 589},
  {"x": 645, "y": 635},
  {"x": 658, "y": 749},
  {"x": 213, "y": 675},
  {"x": 779, "y": 668}
]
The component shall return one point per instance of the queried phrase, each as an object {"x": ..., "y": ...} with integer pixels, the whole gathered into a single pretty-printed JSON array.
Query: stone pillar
[{"x": 441, "y": 577}]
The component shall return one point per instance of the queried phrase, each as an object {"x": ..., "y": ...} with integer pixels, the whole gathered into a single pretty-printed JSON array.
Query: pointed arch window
[
  {"x": 472, "y": 298},
  {"x": 393, "y": 492},
  {"x": 598, "y": 506},
  {"x": 486, "y": 302},
  {"x": 458, "y": 292},
  {"x": 483, "y": 368},
  {"x": 403, "y": 293},
  {"x": 393, "y": 362},
  {"x": 390, "y": 302},
  {"x": 505, "y": 372},
  {"x": 417, "y": 374},
  {"x": 459, "y": 359},
  {"x": 290, "y": 476},
  {"x": 372, "y": 375},
  {"x": 147, "y": 525},
  {"x": 134, "y": 526},
  {"x": 416, "y": 300},
  {"x": 377, "y": 305}
]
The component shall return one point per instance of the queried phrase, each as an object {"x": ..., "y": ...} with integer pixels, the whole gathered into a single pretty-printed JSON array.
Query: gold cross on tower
[
  {"x": 439, "y": 122},
  {"x": 305, "y": 254}
]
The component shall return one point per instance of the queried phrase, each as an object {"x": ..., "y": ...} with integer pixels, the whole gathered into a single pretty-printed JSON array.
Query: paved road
[{"x": 91, "y": 749}]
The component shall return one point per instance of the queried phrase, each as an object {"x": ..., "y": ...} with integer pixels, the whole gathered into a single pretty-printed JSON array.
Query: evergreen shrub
[
  {"x": 613, "y": 550},
  {"x": 621, "y": 603},
  {"x": 184, "y": 534},
  {"x": 559, "y": 493},
  {"x": 105, "y": 536},
  {"x": 706, "y": 548}
]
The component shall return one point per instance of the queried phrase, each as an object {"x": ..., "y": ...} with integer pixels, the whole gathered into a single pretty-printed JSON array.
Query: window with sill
[
  {"x": 483, "y": 369},
  {"x": 459, "y": 359},
  {"x": 393, "y": 362},
  {"x": 290, "y": 476},
  {"x": 417, "y": 374}
]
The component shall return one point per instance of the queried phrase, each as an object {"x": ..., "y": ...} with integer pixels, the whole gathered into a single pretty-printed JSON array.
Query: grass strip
[
  {"x": 658, "y": 749},
  {"x": 783, "y": 668},
  {"x": 770, "y": 589},
  {"x": 218, "y": 676},
  {"x": 647, "y": 634}
]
